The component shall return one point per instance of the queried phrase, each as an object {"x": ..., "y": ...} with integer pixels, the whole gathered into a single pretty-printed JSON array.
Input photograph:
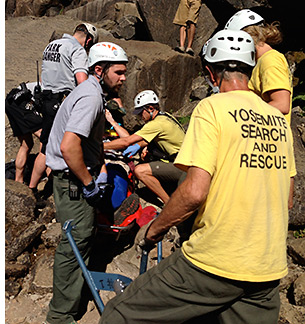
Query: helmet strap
[
  {"x": 151, "y": 113},
  {"x": 215, "y": 89},
  {"x": 210, "y": 69},
  {"x": 101, "y": 80}
]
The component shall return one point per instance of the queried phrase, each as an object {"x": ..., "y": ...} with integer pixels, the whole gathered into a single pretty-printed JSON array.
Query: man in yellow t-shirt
[
  {"x": 162, "y": 135},
  {"x": 238, "y": 155}
]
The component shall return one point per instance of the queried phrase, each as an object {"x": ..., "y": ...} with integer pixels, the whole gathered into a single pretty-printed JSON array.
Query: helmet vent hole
[
  {"x": 213, "y": 51},
  {"x": 231, "y": 39},
  {"x": 240, "y": 39},
  {"x": 235, "y": 48},
  {"x": 252, "y": 17},
  {"x": 221, "y": 38}
]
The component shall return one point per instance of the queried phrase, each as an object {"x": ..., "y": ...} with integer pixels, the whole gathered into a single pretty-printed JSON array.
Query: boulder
[
  {"x": 290, "y": 314},
  {"x": 297, "y": 213},
  {"x": 299, "y": 290},
  {"x": 23, "y": 240},
  {"x": 125, "y": 28},
  {"x": 199, "y": 88},
  {"x": 294, "y": 271},
  {"x": 19, "y": 208},
  {"x": 95, "y": 11},
  {"x": 52, "y": 235},
  {"x": 42, "y": 274},
  {"x": 296, "y": 249},
  {"x": 48, "y": 213},
  {"x": 158, "y": 16}
]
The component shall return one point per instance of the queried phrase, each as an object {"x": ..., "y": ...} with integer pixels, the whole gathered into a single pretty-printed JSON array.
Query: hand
[
  {"x": 92, "y": 193},
  {"x": 132, "y": 150},
  {"x": 109, "y": 117},
  {"x": 141, "y": 242},
  {"x": 102, "y": 178}
]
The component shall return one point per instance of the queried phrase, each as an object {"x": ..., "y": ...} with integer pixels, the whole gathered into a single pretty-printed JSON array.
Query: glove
[
  {"x": 131, "y": 150},
  {"x": 102, "y": 178},
  {"x": 92, "y": 193},
  {"x": 141, "y": 243}
]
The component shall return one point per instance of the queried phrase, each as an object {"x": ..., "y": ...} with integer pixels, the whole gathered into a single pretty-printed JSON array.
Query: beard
[{"x": 111, "y": 91}]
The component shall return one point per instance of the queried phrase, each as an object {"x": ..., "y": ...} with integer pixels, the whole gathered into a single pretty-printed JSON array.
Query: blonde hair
[{"x": 267, "y": 33}]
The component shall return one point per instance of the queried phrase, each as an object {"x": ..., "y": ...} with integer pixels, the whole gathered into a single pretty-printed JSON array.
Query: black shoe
[
  {"x": 189, "y": 51},
  {"x": 179, "y": 49}
]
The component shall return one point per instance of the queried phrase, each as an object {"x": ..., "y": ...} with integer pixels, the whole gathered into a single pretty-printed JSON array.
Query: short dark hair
[
  {"x": 231, "y": 66},
  {"x": 105, "y": 65}
]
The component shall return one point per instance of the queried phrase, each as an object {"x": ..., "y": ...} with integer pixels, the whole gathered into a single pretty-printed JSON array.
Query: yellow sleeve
[
  {"x": 275, "y": 74},
  {"x": 200, "y": 145}
]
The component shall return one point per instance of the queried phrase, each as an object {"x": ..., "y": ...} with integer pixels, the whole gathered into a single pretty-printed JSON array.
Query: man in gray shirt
[
  {"x": 75, "y": 155},
  {"x": 64, "y": 66}
]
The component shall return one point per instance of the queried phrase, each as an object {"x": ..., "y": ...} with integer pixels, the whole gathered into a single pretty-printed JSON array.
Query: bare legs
[
  {"x": 188, "y": 31},
  {"x": 26, "y": 144},
  {"x": 144, "y": 173},
  {"x": 38, "y": 170}
]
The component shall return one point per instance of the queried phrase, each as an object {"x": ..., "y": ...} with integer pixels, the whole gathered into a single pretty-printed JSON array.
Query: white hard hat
[
  {"x": 93, "y": 31},
  {"x": 231, "y": 45},
  {"x": 242, "y": 19},
  {"x": 106, "y": 52},
  {"x": 144, "y": 98}
]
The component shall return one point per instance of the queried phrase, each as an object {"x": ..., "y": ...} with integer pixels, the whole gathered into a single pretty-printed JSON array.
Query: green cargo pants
[
  {"x": 176, "y": 291},
  {"x": 68, "y": 281}
]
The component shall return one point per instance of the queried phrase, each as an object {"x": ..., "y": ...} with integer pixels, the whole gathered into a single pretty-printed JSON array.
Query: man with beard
[{"x": 75, "y": 155}]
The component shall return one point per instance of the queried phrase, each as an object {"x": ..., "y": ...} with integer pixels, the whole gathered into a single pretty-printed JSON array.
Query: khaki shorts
[
  {"x": 165, "y": 172},
  {"x": 188, "y": 10}
]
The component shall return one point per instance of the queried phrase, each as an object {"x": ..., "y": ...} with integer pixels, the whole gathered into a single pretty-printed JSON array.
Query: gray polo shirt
[
  {"x": 82, "y": 113},
  {"x": 61, "y": 60}
]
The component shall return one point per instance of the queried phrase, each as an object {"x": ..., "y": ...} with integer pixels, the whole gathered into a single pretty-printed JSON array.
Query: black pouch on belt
[{"x": 74, "y": 187}]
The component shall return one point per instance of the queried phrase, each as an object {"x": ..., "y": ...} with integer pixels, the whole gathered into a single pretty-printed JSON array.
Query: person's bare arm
[
  {"x": 290, "y": 199},
  {"x": 279, "y": 99},
  {"x": 73, "y": 155},
  {"x": 121, "y": 131},
  {"x": 80, "y": 77},
  {"x": 187, "y": 198},
  {"x": 124, "y": 142}
]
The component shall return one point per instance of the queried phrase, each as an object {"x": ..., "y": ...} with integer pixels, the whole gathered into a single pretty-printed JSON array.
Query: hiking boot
[
  {"x": 128, "y": 207},
  {"x": 190, "y": 51},
  {"x": 179, "y": 49}
]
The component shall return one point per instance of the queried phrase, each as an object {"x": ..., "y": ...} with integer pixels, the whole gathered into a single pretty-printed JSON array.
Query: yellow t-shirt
[
  {"x": 271, "y": 73},
  {"x": 246, "y": 146},
  {"x": 165, "y": 132}
]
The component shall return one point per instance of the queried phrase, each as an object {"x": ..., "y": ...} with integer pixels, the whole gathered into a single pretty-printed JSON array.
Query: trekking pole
[
  {"x": 144, "y": 259},
  {"x": 159, "y": 251},
  {"x": 67, "y": 229}
]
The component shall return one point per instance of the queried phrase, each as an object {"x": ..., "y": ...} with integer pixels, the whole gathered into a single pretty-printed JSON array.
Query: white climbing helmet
[
  {"x": 144, "y": 98},
  {"x": 106, "y": 52},
  {"x": 231, "y": 45},
  {"x": 242, "y": 19},
  {"x": 92, "y": 30}
]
